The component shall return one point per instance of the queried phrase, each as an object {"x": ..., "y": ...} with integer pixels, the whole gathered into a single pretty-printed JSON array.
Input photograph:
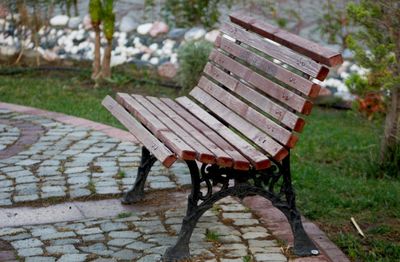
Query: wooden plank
[
  {"x": 158, "y": 149},
  {"x": 305, "y": 86},
  {"x": 183, "y": 150},
  {"x": 299, "y": 44},
  {"x": 258, "y": 160},
  {"x": 262, "y": 83},
  {"x": 279, "y": 133},
  {"x": 240, "y": 162},
  {"x": 281, "y": 114},
  {"x": 248, "y": 130},
  {"x": 223, "y": 159},
  {"x": 281, "y": 53},
  {"x": 203, "y": 154}
]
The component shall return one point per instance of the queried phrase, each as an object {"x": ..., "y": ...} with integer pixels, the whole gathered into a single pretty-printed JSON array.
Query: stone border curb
[{"x": 72, "y": 120}]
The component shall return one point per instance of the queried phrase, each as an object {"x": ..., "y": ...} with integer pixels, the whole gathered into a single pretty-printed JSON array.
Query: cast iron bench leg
[
  {"x": 137, "y": 192},
  {"x": 264, "y": 184}
]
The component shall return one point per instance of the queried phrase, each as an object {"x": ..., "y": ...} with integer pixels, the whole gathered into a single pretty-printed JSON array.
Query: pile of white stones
[{"x": 73, "y": 38}]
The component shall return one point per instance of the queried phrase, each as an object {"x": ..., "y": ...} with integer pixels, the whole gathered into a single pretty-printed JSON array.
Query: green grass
[
  {"x": 124, "y": 214},
  {"x": 333, "y": 163},
  {"x": 212, "y": 236}
]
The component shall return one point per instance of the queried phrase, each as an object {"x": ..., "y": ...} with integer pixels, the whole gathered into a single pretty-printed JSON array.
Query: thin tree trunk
[
  {"x": 391, "y": 141},
  {"x": 106, "y": 67},
  {"x": 96, "y": 60}
]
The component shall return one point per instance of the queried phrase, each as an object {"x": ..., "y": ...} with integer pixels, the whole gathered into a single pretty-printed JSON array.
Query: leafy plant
[
  {"x": 212, "y": 236},
  {"x": 124, "y": 214},
  {"x": 187, "y": 13},
  {"x": 192, "y": 58},
  {"x": 376, "y": 47}
]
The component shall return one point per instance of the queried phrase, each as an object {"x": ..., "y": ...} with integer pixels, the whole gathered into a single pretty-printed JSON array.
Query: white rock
[
  {"x": 8, "y": 50},
  {"x": 74, "y": 22},
  {"x": 194, "y": 33},
  {"x": 127, "y": 24},
  {"x": 145, "y": 57},
  {"x": 117, "y": 60},
  {"x": 49, "y": 55},
  {"x": 144, "y": 29},
  {"x": 87, "y": 22},
  {"x": 154, "y": 61},
  {"x": 211, "y": 36},
  {"x": 59, "y": 20},
  {"x": 174, "y": 58},
  {"x": 153, "y": 46}
]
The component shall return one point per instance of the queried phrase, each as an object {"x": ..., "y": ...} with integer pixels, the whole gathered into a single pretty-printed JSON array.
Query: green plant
[
  {"x": 247, "y": 258},
  {"x": 124, "y": 214},
  {"x": 186, "y": 13},
  {"x": 376, "y": 47},
  {"x": 212, "y": 236},
  {"x": 357, "y": 84},
  {"x": 92, "y": 187},
  {"x": 192, "y": 57},
  {"x": 121, "y": 174},
  {"x": 334, "y": 24}
]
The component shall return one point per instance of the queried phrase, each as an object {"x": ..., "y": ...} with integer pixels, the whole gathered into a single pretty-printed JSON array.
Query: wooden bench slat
[
  {"x": 223, "y": 159},
  {"x": 258, "y": 160},
  {"x": 172, "y": 141},
  {"x": 274, "y": 130},
  {"x": 248, "y": 130},
  {"x": 158, "y": 149},
  {"x": 306, "y": 47},
  {"x": 281, "y": 114},
  {"x": 203, "y": 154},
  {"x": 274, "y": 90},
  {"x": 281, "y": 53},
  {"x": 241, "y": 163},
  {"x": 305, "y": 86}
]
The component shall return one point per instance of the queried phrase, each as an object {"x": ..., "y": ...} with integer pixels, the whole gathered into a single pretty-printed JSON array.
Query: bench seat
[{"x": 237, "y": 126}]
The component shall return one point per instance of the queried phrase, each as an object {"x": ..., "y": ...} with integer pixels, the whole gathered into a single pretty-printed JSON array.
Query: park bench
[{"x": 237, "y": 128}]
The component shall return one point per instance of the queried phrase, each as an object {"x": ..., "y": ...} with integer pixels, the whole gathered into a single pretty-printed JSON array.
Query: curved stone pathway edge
[
  {"x": 72, "y": 120},
  {"x": 270, "y": 216}
]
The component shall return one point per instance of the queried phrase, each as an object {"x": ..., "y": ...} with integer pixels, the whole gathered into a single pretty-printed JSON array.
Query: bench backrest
[{"x": 259, "y": 81}]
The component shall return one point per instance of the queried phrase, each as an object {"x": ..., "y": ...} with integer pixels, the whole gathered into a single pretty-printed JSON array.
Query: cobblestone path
[
  {"x": 43, "y": 159},
  {"x": 229, "y": 232}
]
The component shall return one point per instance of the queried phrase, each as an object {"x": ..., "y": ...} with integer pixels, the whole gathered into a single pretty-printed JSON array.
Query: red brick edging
[{"x": 71, "y": 120}]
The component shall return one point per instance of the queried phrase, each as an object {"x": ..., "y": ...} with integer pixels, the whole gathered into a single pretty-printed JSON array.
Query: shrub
[{"x": 192, "y": 57}]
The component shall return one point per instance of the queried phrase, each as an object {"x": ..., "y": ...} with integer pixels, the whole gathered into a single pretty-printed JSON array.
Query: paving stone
[
  {"x": 65, "y": 241},
  {"x": 80, "y": 192},
  {"x": 270, "y": 257},
  {"x": 113, "y": 226},
  {"x": 141, "y": 246},
  {"x": 40, "y": 259},
  {"x": 98, "y": 249},
  {"x": 124, "y": 234},
  {"x": 89, "y": 231},
  {"x": 254, "y": 235},
  {"x": 58, "y": 235},
  {"x": 64, "y": 249},
  {"x": 150, "y": 258},
  {"x": 125, "y": 255},
  {"x": 73, "y": 258},
  {"x": 30, "y": 252},
  {"x": 11, "y": 231},
  {"x": 25, "y": 198},
  {"x": 17, "y": 237},
  {"x": 119, "y": 242},
  {"x": 27, "y": 243},
  {"x": 95, "y": 237}
]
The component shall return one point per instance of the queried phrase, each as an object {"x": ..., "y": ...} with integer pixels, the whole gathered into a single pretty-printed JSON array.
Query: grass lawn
[{"x": 332, "y": 164}]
